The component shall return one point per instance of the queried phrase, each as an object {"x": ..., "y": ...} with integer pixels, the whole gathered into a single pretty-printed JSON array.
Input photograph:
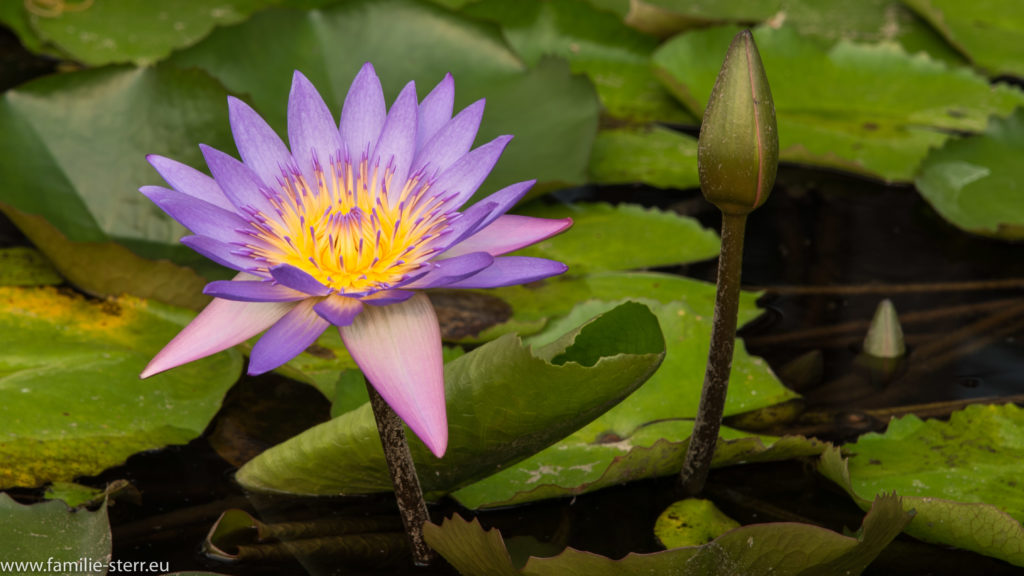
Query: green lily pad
[
  {"x": 116, "y": 31},
  {"x": 108, "y": 269},
  {"x": 962, "y": 477},
  {"x": 869, "y": 109},
  {"x": 622, "y": 237},
  {"x": 975, "y": 182},
  {"x": 825, "y": 21},
  {"x": 691, "y": 522},
  {"x": 534, "y": 305},
  {"x": 552, "y": 114},
  {"x": 50, "y": 532},
  {"x": 651, "y": 155},
  {"x": 615, "y": 57},
  {"x": 77, "y": 144},
  {"x": 644, "y": 436},
  {"x": 588, "y": 370},
  {"x": 71, "y": 402},
  {"x": 990, "y": 33},
  {"x": 784, "y": 548},
  {"x": 24, "y": 266}
]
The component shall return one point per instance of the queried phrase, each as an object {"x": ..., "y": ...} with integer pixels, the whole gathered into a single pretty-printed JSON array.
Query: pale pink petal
[
  {"x": 509, "y": 233},
  {"x": 398, "y": 348},
  {"x": 221, "y": 325}
]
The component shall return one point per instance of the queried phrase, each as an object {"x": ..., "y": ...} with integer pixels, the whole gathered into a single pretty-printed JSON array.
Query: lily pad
[
  {"x": 651, "y": 155},
  {"x": 588, "y": 370},
  {"x": 691, "y": 522},
  {"x": 622, "y": 237},
  {"x": 24, "y": 266},
  {"x": 552, "y": 114},
  {"x": 71, "y": 402},
  {"x": 116, "y": 31},
  {"x": 620, "y": 446},
  {"x": 869, "y": 109},
  {"x": 976, "y": 182},
  {"x": 615, "y": 57},
  {"x": 962, "y": 477},
  {"x": 990, "y": 33},
  {"x": 50, "y": 532},
  {"x": 784, "y": 548},
  {"x": 534, "y": 305}
]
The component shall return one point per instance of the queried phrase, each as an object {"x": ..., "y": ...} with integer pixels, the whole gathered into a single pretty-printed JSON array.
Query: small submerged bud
[
  {"x": 738, "y": 150},
  {"x": 885, "y": 336}
]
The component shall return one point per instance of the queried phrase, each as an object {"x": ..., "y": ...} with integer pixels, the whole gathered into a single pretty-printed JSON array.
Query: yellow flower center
[{"x": 344, "y": 231}]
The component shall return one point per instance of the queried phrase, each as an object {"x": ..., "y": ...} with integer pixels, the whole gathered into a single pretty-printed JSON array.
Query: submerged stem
[
  {"x": 411, "y": 505},
  {"x": 716, "y": 377}
]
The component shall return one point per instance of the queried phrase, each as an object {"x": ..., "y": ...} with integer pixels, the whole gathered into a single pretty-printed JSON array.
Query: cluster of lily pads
[{"x": 905, "y": 92}]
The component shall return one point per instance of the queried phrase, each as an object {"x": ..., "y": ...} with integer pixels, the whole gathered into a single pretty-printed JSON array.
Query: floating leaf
[
  {"x": 651, "y": 155},
  {"x": 71, "y": 402},
  {"x": 615, "y": 57},
  {"x": 535, "y": 304},
  {"x": 873, "y": 110},
  {"x": 51, "y": 532},
  {"x": 961, "y": 476},
  {"x": 784, "y": 548},
  {"x": 691, "y": 522},
  {"x": 619, "y": 446},
  {"x": 975, "y": 182},
  {"x": 990, "y": 33},
  {"x": 24, "y": 266},
  {"x": 622, "y": 237},
  {"x": 588, "y": 370},
  {"x": 552, "y": 114},
  {"x": 115, "y": 31}
]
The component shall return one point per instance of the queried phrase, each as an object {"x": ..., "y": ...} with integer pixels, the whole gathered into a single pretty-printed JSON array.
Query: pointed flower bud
[
  {"x": 885, "y": 336},
  {"x": 738, "y": 150}
]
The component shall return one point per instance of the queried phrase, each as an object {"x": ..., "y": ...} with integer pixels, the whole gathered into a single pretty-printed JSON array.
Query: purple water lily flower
[{"x": 344, "y": 229}]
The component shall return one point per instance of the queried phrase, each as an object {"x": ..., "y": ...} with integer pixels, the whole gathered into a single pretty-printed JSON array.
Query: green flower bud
[{"x": 738, "y": 150}]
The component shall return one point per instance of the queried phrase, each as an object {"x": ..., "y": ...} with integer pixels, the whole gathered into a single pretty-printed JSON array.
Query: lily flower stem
[
  {"x": 411, "y": 505},
  {"x": 716, "y": 377}
]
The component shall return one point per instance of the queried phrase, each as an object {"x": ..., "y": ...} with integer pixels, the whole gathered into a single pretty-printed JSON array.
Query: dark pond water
[{"x": 819, "y": 230}]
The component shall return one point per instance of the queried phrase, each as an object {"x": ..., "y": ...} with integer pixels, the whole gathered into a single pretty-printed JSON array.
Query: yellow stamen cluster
[{"x": 345, "y": 232}]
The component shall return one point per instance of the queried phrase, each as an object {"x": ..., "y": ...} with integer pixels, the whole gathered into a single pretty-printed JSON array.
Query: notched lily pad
[
  {"x": 24, "y": 266},
  {"x": 975, "y": 182},
  {"x": 588, "y": 369},
  {"x": 990, "y": 33},
  {"x": 962, "y": 477},
  {"x": 784, "y": 548},
  {"x": 71, "y": 402}
]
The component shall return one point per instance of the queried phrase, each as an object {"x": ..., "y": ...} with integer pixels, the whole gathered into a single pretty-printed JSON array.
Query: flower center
[{"x": 345, "y": 232}]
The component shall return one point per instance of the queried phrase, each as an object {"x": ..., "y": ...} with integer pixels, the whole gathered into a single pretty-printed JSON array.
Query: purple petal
[
  {"x": 286, "y": 339},
  {"x": 462, "y": 179},
  {"x": 510, "y": 270},
  {"x": 239, "y": 183},
  {"x": 452, "y": 270},
  {"x": 464, "y": 225},
  {"x": 504, "y": 200},
  {"x": 260, "y": 147},
  {"x": 311, "y": 129},
  {"x": 198, "y": 216},
  {"x": 363, "y": 114},
  {"x": 435, "y": 110},
  {"x": 221, "y": 325},
  {"x": 300, "y": 280},
  {"x": 252, "y": 291},
  {"x": 509, "y": 233},
  {"x": 338, "y": 310},
  {"x": 398, "y": 348},
  {"x": 386, "y": 297},
  {"x": 188, "y": 180},
  {"x": 220, "y": 252},
  {"x": 397, "y": 141},
  {"x": 451, "y": 142}
]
